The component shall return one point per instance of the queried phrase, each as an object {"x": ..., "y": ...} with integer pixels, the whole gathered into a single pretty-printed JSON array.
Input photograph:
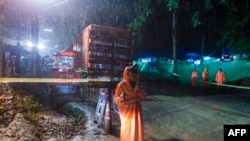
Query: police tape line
[
  {"x": 52, "y": 80},
  {"x": 224, "y": 85}
]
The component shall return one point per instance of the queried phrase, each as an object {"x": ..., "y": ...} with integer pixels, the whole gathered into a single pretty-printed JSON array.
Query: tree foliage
[{"x": 235, "y": 32}]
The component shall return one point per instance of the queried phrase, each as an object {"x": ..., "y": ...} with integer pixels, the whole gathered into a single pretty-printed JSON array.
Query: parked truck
[{"x": 103, "y": 52}]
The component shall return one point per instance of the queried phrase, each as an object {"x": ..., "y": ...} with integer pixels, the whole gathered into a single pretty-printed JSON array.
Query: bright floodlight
[
  {"x": 48, "y": 30},
  {"x": 40, "y": 46},
  {"x": 29, "y": 44}
]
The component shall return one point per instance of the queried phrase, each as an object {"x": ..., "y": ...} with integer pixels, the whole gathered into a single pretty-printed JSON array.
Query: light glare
[{"x": 29, "y": 44}]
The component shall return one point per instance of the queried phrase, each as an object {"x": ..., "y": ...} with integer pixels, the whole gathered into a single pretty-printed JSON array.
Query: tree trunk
[
  {"x": 202, "y": 48},
  {"x": 1, "y": 46},
  {"x": 174, "y": 40}
]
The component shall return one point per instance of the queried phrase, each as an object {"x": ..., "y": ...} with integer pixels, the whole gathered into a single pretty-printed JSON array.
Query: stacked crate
[{"x": 106, "y": 52}]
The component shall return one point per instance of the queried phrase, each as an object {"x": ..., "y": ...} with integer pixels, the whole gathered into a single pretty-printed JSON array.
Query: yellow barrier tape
[
  {"x": 53, "y": 80},
  {"x": 224, "y": 85}
]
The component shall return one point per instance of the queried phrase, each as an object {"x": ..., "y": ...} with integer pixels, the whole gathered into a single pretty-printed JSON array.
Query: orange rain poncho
[
  {"x": 205, "y": 77},
  {"x": 130, "y": 109},
  {"x": 220, "y": 77},
  {"x": 194, "y": 78}
]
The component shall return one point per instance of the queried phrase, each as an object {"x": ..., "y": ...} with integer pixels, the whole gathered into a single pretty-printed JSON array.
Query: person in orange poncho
[
  {"x": 205, "y": 77},
  {"x": 127, "y": 97},
  {"x": 220, "y": 77},
  {"x": 194, "y": 78}
]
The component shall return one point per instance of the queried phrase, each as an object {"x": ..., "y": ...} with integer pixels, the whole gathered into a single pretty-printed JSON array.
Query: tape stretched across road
[
  {"x": 224, "y": 85},
  {"x": 52, "y": 80}
]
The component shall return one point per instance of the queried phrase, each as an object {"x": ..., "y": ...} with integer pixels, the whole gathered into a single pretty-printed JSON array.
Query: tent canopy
[{"x": 66, "y": 52}]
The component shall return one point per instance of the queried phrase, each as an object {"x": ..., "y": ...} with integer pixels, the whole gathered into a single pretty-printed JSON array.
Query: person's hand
[{"x": 122, "y": 96}]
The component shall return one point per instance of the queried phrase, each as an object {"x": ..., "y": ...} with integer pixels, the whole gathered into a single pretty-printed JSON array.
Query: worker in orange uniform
[
  {"x": 205, "y": 77},
  {"x": 127, "y": 97},
  {"x": 194, "y": 78},
  {"x": 220, "y": 77}
]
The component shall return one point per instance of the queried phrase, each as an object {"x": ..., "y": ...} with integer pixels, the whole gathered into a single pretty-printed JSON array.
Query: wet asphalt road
[{"x": 182, "y": 113}]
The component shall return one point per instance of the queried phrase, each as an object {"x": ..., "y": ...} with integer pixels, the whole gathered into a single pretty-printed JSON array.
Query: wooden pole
[{"x": 1, "y": 46}]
